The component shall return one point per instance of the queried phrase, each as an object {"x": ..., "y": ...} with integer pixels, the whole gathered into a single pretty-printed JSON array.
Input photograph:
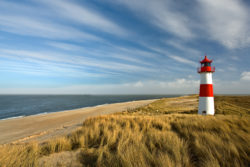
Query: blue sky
[{"x": 122, "y": 46}]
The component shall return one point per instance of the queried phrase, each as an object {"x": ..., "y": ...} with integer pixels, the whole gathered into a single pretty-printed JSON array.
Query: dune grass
[
  {"x": 179, "y": 105},
  {"x": 232, "y": 105},
  {"x": 154, "y": 135}
]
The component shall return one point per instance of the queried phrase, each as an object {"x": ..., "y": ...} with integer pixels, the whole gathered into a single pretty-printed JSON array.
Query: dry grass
[
  {"x": 145, "y": 137},
  {"x": 232, "y": 105},
  {"x": 19, "y": 155},
  {"x": 181, "y": 105}
]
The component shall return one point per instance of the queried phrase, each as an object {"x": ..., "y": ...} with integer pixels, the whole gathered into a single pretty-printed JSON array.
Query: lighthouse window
[{"x": 207, "y": 64}]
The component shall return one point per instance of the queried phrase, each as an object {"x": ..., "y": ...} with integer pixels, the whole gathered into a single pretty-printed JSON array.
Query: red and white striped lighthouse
[{"x": 206, "y": 98}]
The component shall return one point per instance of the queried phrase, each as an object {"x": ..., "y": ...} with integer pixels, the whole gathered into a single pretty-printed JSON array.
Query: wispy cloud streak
[
  {"x": 29, "y": 26},
  {"x": 226, "y": 21},
  {"x": 63, "y": 59},
  {"x": 85, "y": 16},
  {"x": 163, "y": 15}
]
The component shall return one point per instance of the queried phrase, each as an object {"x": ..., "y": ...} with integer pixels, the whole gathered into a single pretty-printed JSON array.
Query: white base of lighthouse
[{"x": 206, "y": 106}]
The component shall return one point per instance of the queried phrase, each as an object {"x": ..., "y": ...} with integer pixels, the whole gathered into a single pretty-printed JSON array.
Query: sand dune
[{"x": 42, "y": 127}]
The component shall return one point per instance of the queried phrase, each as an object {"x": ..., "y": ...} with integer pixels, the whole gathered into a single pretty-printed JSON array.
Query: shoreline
[
  {"x": 41, "y": 127},
  {"x": 40, "y": 105},
  {"x": 44, "y": 113}
]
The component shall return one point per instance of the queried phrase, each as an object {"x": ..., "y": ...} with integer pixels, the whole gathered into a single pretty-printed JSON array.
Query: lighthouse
[{"x": 206, "y": 97}]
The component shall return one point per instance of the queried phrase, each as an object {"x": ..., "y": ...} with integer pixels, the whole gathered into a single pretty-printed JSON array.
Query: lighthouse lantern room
[{"x": 206, "y": 97}]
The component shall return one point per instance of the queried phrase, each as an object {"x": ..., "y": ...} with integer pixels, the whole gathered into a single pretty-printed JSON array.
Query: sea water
[{"x": 12, "y": 106}]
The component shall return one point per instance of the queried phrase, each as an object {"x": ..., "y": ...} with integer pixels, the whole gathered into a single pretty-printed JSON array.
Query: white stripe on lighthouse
[
  {"x": 206, "y": 78},
  {"x": 206, "y": 105}
]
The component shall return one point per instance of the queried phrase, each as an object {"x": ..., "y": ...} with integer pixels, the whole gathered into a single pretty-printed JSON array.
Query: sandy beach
[{"x": 43, "y": 127}]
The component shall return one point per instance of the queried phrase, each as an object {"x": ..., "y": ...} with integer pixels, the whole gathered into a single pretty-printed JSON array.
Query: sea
[{"x": 14, "y": 106}]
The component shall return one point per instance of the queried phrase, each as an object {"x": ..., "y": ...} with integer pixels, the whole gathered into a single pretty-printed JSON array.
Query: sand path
[{"x": 42, "y": 127}]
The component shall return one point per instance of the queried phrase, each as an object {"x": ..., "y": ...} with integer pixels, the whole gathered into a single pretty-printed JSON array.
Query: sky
[{"x": 123, "y": 46}]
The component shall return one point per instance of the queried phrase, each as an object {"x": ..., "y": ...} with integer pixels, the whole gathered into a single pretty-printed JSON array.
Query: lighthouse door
[{"x": 204, "y": 112}]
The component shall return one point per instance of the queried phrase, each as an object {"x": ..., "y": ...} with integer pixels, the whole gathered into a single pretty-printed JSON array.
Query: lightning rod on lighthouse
[{"x": 206, "y": 97}]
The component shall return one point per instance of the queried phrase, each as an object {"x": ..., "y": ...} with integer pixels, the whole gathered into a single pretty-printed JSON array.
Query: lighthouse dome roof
[{"x": 206, "y": 60}]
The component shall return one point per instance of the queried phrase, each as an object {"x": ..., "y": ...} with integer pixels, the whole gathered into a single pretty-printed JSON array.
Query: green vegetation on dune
[{"x": 167, "y": 132}]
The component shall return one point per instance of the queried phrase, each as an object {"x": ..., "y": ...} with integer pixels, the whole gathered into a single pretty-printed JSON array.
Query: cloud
[
  {"x": 30, "y": 26},
  {"x": 231, "y": 87},
  {"x": 179, "y": 86},
  {"x": 86, "y": 16},
  {"x": 226, "y": 21},
  {"x": 129, "y": 55},
  {"x": 138, "y": 84},
  {"x": 35, "y": 67},
  {"x": 129, "y": 58},
  {"x": 179, "y": 45},
  {"x": 32, "y": 20},
  {"x": 181, "y": 83},
  {"x": 64, "y": 46},
  {"x": 78, "y": 62},
  {"x": 163, "y": 51},
  {"x": 163, "y": 15},
  {"x": 235, "y": 58},
  {"x": 245, "y": 75},
  {"x": 183, "y": 60}
]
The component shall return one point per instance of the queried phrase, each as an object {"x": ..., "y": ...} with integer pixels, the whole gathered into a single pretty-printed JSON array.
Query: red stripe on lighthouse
[{"x": 206, "y": 90}]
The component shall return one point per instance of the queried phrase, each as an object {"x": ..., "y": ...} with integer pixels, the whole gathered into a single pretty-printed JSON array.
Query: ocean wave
[{"x": 13, "y": 117}]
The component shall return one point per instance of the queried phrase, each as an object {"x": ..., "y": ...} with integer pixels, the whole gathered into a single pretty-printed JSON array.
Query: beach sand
[{"x": 45, "y": 126}]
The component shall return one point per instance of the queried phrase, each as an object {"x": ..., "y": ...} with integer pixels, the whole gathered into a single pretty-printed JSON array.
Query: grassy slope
[
  {"x": 167, "y": 132},
  {"x": 234, "y": 105}
]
